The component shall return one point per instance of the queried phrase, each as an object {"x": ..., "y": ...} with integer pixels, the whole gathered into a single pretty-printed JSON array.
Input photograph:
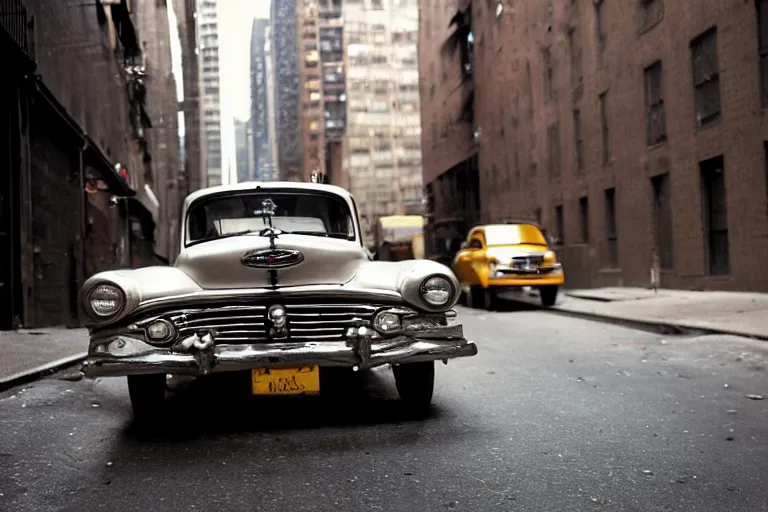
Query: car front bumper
[{"x": 125, "y": 355}]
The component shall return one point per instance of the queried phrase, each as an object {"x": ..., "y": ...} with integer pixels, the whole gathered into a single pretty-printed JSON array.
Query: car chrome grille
[
  {"x": 527, "y": 261},
  {"x": 249, "y": 324}
]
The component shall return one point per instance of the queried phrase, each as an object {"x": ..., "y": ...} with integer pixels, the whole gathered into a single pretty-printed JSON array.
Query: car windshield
[
  {"x": 514, "y": 234},
  {"x": 298, "y": 213}
]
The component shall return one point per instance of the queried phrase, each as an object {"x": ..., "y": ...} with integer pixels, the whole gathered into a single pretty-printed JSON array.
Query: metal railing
[{"x": 14, "y": 20}]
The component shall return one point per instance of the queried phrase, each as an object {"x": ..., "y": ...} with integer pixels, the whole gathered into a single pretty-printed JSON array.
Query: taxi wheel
[
  {"x": 490, "y": 299},
  {"x": 476, "y": 297},
  {"x": 415, "y": 384},
  {"x": 548, "y": 295},
  {"x": 147, "y": 394}
]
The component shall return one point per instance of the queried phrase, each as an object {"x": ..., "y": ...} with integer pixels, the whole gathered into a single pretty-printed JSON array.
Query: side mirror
[{"x": 463, "y": 245}]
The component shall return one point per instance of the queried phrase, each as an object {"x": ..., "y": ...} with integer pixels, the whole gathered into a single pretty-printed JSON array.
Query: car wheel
[
  {"x": 147, "y": 395},
  {"x": 490, "y": 299},
  {"x": 548, "y": 295},
  {"x": 415, "y": 384},
  {"x": 476, "y": 297}
]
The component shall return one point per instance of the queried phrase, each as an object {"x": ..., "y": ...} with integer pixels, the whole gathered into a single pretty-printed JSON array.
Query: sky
[{"x": 235, "y": 21}]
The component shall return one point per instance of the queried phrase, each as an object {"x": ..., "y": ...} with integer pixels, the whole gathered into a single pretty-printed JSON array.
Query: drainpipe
[{"x": 83, "y": 213}]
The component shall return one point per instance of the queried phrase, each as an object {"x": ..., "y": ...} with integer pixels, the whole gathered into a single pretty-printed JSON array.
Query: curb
[
  {"x": 654, "y": 326},
  {"x": 34, "y": 374}
]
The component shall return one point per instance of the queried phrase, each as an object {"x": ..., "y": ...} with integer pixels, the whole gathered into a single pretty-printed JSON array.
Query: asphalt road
[{"x": 554, "y": 413}]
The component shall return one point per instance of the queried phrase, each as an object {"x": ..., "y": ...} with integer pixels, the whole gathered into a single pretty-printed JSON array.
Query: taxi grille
[{"x": 249, "y": 324}]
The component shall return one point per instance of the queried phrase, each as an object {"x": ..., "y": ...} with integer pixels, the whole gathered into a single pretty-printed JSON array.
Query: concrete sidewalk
[
  {"x": 672, "y": 311},
  {"x": 29, "y": 354}
]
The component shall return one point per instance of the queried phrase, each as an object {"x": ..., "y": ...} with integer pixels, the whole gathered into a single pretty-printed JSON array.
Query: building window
[
  {"x": 574, "y": 44},
  {"x": 649, "y": 14},
  {"x": 549, "y": 86},
  {"x": 762, "y": 34},
  {"x": 605, "y": 128},
  {"x": 706, "y": 78},
  {"x": 662, "y": 221},
  {"x": 584, "y": 219},
  {"x": 577, "y": 140},
  {"x": 610, "y": 228},
  {"x": 715, "y": 216},
  {"x": 559, "y": 225},
  {"x": 600, "y": 29},
  {"x": 553, "y": 139},
  {"x": 654, "y": 105}
]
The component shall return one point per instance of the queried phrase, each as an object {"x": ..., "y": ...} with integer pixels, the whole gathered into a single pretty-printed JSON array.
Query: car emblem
[{"x": 272, "y": 258}]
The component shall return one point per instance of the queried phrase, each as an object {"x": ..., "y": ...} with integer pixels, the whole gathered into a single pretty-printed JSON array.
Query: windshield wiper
[{"x": 326, "y": 234}]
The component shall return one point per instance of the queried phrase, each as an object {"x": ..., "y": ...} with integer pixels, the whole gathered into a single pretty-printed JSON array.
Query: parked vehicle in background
[
  {"x": 272, "y": 279},
  {"x": 499, "y": 257},
  {"x": 400, "y": 237}
]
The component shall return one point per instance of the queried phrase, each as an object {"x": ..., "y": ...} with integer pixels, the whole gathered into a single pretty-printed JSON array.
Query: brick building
[
  {"x": 634, "y": 131},
  {"x": 75, "y": 193}
]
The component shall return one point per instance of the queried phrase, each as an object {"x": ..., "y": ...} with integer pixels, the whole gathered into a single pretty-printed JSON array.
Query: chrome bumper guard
[{"x": 199, "y": 355}]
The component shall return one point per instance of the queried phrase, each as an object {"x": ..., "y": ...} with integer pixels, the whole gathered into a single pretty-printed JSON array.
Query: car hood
[
  {"x": 504, "y": 253},
  {"x": 324, "y": 261}
]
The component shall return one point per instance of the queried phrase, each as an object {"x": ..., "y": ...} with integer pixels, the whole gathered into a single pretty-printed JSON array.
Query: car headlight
[
  {"x": 437, "y": 291},
  {"x": 106, "y": 300}
]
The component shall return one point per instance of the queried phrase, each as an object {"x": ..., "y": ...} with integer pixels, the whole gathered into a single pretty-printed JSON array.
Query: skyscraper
[
  {"x": 210, "y": 98},
  {"x": 262, "y": 159},
  {"x": 383, "y": 137},
  {"x": 284, "y": 40},
  {"x": 241, "y": 151},
  {"x": 271, "y": 102}
]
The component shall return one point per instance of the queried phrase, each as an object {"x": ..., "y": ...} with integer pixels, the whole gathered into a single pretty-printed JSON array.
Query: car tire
[
  {"x": 548, "y": 295},
  {"x": 490, "y": 299},
  {"x": 147, "y": 394},
  {"x": 415, "y": 384},
  {"x": 476, "y": 297}
]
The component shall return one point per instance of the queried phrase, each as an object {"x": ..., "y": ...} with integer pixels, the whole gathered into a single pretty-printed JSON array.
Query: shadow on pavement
[{"x": 222, "y": 405}]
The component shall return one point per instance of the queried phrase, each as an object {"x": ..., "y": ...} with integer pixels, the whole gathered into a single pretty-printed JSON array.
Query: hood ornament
[{"x": 272, "y": 258}]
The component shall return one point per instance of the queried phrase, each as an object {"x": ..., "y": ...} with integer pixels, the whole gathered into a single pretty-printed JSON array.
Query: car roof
[
  {"x": 266, "y": 185},
  {"x": 508, "y": 223}
]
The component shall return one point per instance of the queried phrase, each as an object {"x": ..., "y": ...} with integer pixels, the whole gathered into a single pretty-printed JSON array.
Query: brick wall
[
  {"x": 527, "y": 151},
  {"x": 77, "y": 63},
  {"x": 55, "y": 237}
]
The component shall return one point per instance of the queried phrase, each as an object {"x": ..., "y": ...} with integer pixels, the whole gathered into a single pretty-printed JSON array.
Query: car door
[{"x": 463, "y": 265}]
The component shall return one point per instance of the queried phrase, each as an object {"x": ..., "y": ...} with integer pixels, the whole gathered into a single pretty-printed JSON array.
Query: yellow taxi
[{"x": 497, "y": 257}]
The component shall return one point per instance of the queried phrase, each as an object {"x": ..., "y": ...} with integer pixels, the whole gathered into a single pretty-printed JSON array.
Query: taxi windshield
[{"x": 514, "y": 234}]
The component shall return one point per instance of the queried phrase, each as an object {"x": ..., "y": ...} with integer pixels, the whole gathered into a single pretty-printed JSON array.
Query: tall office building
[
  {"x": 261, "y": 151},
  {"x": 210, "y": 98},
  {"x": 284, "y": 46},
  {"x": 241, "y": 151},
  {"x": 331, "y": 35},
  {"x": 269, "y": 77},
  {"x": 383, "y": 135}
]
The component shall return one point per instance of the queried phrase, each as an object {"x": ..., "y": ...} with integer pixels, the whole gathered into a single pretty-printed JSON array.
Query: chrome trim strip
[
  {"x": 403, "y": 349},
  {"x": 295, "y": 292}
]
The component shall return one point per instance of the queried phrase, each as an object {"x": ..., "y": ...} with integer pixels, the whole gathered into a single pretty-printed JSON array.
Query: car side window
[{"x": 475, "y": 243}]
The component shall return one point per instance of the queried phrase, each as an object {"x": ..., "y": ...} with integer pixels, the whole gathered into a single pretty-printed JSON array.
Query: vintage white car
[{"x": 272, "y": 279}]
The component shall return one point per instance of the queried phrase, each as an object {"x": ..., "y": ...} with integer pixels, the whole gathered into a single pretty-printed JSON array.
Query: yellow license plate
[{"x": 285, "y": 381}]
